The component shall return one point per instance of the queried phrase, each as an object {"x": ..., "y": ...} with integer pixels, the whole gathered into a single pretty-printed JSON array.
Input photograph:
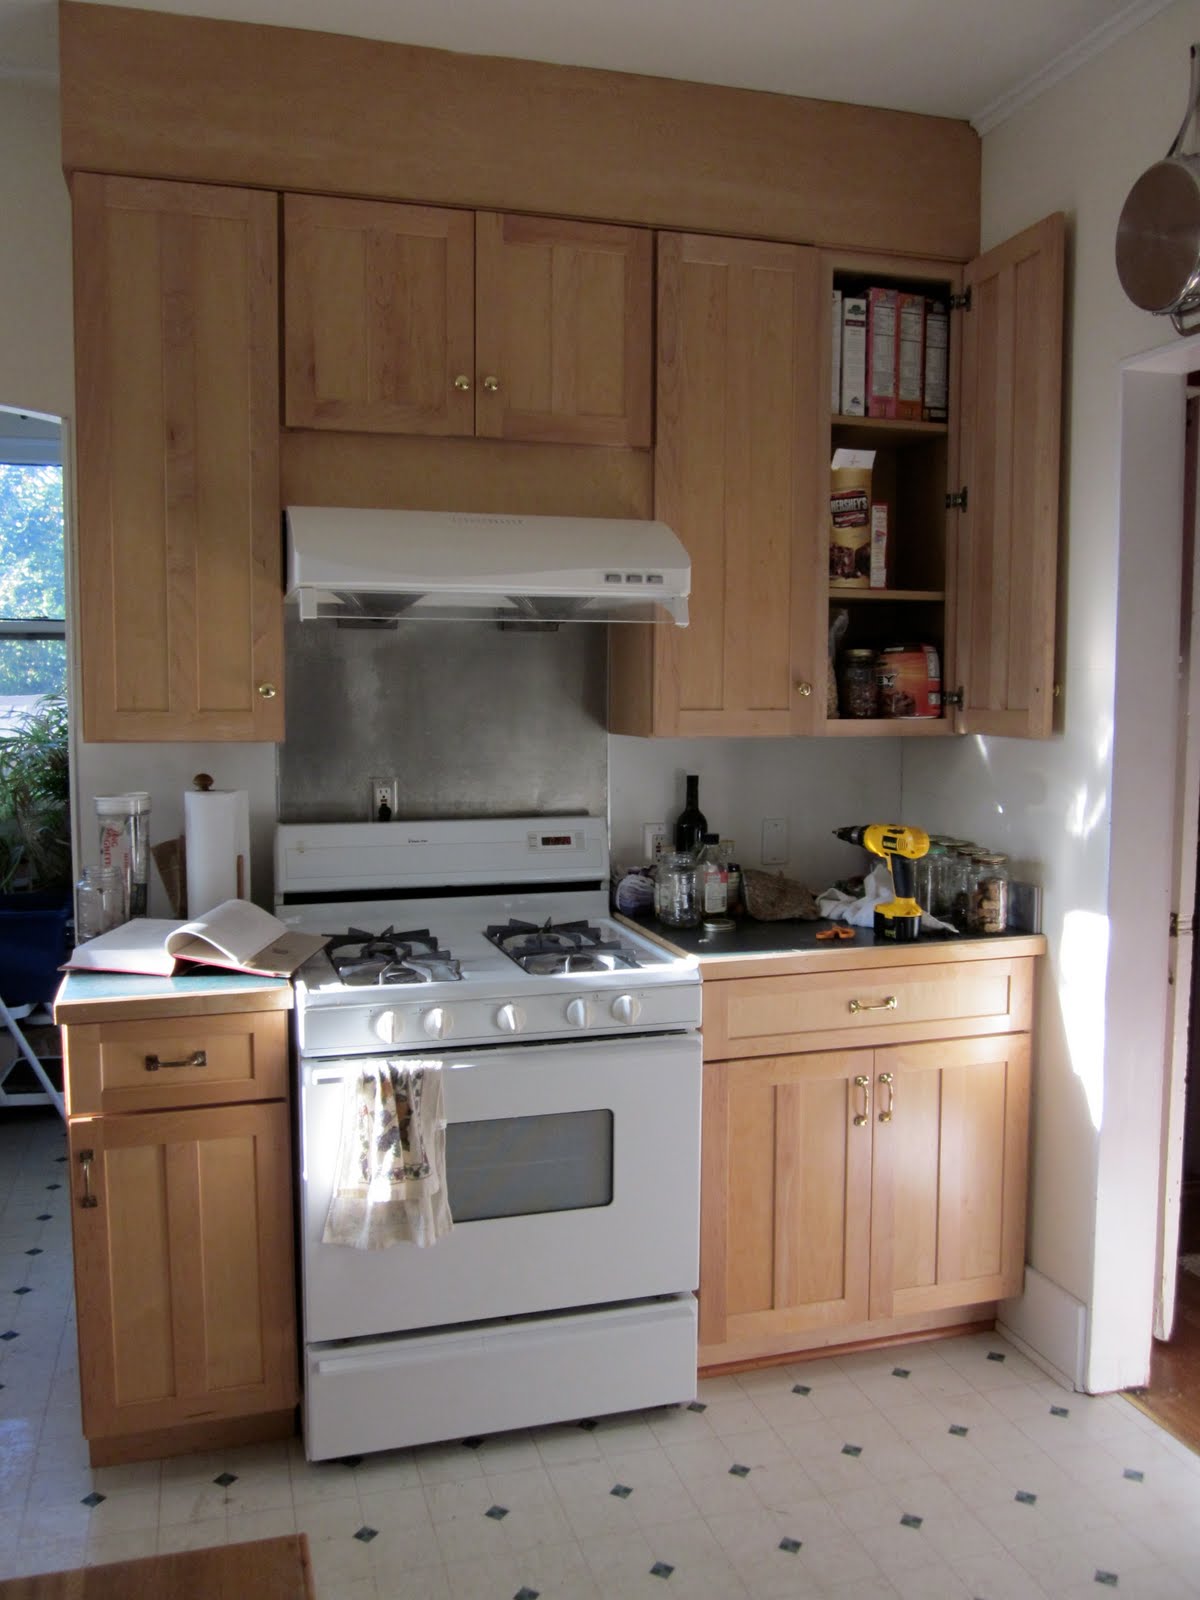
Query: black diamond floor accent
[
  {"x": 739, "y": 1471},
  {"x": 92, "y": 1500},
  {"x": 497, "y": 1513},
  {"x": 351, "y": 1461},
  {"x": 24, "y": 1290},
  {"x": 527, "y": 1594},
  {"x": 54, "y": 1186},
  {"x": 901, "y": 1372},
  {"x": 1134, "y": 1475},
  {"x": 45, "y": 1216},
  {"x": 995, "y": 1355},
  {"x": 661, "y": 1569},
  {"x": 587, "y": 1424},
  {"x": 801, "y": 1388},
  {"x": 1109, "y": 1579},
  {"x": 11, "y": 1334},
  {"x": 697, "y": 1405},
  {"x": 225, "y": 1479},
  {"x": 957, "y": 1429},
  {"x": 472, "y": 1443},
  {"x": 909, "y": 1521},
  {"x": 852, "y": 1449},
  {"x": 790, "y": 1545},
  {"x": 36, "y": 1251},
  {"x": 60, "y": 1158},
  {"x": 1059, "y": 1411},
  {"x": 365, "y": 1534},
  {"x": 1024, "y": 1498},
  {"x": 621, "y": 1490}
]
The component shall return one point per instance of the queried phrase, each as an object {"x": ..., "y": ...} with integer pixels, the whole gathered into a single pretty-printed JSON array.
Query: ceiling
[{"x": 970, "y": 59}]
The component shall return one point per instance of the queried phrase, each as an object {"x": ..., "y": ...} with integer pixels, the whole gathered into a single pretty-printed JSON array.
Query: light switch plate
[{"x": 774, "y": 841}]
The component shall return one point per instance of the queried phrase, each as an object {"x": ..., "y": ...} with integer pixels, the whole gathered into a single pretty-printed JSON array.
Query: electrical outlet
[
  {"x": 383, "y": 799},
  {"x": 654, "y": 840},
  {"x": 774, "y": 841}
]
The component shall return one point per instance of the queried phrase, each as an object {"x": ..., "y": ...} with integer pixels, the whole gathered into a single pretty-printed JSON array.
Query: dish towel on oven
[{"x": 390, "y": 1184}]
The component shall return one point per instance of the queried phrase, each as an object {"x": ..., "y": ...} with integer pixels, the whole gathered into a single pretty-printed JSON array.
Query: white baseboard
[{"x": 1049, "y": 1326}]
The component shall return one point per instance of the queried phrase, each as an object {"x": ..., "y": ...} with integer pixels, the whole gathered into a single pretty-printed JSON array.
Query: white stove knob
[
  {"x": 511, "y": 1018},
  {"x": 579, "y": 1013},
  {"x": 436, "y": 1022},
  {"x": 626, "y": 1008},
  {"x": 389, "y": 1026}
]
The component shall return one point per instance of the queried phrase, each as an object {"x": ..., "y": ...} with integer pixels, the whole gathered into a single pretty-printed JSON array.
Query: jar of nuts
[{"x": 987, "y": 894}]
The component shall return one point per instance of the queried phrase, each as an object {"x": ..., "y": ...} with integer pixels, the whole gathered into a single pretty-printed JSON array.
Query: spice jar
[
  {"x": 987, "y": 898},
  {"x": 859, "y": 692},
  {"x": 676, "y": 901}
]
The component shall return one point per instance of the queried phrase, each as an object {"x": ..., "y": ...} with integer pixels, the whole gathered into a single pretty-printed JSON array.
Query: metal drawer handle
[
  {"x": 89, "y": 1201},
  {"x": 864, "y": 1116},
  {"x": 888, "y": 1004},
  {"x": 198, "y": 1058},
  {"x": 888, "y": 1079}
]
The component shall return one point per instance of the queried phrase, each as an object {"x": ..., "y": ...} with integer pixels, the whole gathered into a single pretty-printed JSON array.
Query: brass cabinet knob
[
  {"x": 491, "y": 384},
  {"x": 462, "y": 381},
  {"x": 267, "y": 690},
  {"x": 804, "y": 690}
]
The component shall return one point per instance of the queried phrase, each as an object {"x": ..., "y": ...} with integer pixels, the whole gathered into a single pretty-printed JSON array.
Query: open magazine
[{"x": 236, "y": 934}]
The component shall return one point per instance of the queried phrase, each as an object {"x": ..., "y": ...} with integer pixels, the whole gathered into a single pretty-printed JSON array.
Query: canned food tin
[{"x": 910, "y": 681}]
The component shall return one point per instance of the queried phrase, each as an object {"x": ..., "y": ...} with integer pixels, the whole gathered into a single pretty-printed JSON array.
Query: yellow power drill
[{"x": 897, "y": 920}]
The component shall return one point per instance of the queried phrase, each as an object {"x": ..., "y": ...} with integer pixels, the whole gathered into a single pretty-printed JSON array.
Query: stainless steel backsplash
[{"x": 470, "y": 719}]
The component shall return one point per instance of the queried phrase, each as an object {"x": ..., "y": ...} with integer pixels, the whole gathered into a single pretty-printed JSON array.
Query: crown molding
[{"x": 1006, "y": 105}]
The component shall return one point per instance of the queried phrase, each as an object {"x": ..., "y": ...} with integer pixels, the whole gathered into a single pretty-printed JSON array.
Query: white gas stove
[{"x": 570, "y": 1064}]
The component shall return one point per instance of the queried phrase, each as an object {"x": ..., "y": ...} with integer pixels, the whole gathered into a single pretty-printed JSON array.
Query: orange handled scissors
[{"x": 837, "y": 931}]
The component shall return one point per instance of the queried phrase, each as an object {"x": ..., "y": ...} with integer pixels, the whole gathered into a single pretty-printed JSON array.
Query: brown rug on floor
[{"x": 267, "y": 1569}]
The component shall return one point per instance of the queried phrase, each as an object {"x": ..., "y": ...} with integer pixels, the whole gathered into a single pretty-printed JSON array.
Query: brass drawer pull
[
  {"x": 888, "y": 1079},
  {"x": 864, "y": 1116},
  {"x": 198, "y": 1058},
  {"x": 89, "y": 1201},
  {"x": 888, "y": 1004}
]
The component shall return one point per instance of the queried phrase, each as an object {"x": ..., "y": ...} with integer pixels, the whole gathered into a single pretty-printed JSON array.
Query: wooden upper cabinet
[
  {"x": 563, "y": 342},
  {"x": 738, "y": 476},
  {"x": 176, "y": 357},
  {"x": 420, "y": 320},
  {"x": 1010, "y": 427},
  {"x": 379, "y": 316}
]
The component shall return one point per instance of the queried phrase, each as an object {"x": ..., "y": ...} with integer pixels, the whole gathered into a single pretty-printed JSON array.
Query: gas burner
[
  {"x": 558, "y": 947},
  {"x": 390, "y": 958}
]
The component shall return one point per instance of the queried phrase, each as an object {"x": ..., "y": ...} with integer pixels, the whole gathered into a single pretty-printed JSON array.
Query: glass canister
[
  {"x": 858, "y": 691},
  {"x": 676, "y": 894},
  {"x": 124, "y": 823},
  {"x": 987, "y": 894},
  {"x": 959, "y": 872},
  {"x": 99, "y": 903}
]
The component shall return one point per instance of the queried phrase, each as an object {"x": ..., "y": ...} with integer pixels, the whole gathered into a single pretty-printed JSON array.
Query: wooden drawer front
[
  {"x": 245, "y": 1058},
  {"x": 877, "y": 1005}
]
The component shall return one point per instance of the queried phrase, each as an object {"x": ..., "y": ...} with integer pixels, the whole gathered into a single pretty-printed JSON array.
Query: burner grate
[
  {"x": 560, "y": 947},
  {"x": 411, "y": 956}
]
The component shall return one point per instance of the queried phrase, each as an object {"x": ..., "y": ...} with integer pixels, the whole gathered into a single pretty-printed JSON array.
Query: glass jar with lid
[
  {"x": 676, "y": 897},
  {"x": 987, "y": 893},
  {"x": 858, "y": 691}
]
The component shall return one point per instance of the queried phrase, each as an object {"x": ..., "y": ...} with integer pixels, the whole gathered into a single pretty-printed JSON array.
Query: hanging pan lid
[{"x": 1158, "y": 235}]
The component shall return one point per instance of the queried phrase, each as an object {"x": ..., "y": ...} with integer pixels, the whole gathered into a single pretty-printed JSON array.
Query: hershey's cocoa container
[{"x": 909, "y": 678}]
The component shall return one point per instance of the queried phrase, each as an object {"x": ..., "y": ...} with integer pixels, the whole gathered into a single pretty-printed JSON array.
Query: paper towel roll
[{"x": 216, "y": 832}]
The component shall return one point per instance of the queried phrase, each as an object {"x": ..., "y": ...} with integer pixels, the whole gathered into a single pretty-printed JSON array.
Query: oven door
[{"x": 573, "y": 1172}]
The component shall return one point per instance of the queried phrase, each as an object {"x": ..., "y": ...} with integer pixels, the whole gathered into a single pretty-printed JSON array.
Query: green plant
[{"x": 35, "y": 796}]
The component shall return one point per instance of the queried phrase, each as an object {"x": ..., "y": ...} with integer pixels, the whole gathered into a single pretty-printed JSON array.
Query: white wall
[{"x": 1094, "y": 1194}]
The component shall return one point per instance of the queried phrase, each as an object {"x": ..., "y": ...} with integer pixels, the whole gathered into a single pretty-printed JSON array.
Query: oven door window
[{"x": 522, "y": 1166}]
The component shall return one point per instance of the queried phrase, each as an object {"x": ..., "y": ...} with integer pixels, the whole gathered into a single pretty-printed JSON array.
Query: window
[{"x": 33, "y": 660}]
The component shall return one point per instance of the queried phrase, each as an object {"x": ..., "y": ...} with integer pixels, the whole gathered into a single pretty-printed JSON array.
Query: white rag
[
  {"x": 859, "y": 910},
  {"x": 390, "y": 1184}
]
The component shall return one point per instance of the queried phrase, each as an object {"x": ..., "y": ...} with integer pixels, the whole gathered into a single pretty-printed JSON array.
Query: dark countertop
[{"x": 748, "y": 939}]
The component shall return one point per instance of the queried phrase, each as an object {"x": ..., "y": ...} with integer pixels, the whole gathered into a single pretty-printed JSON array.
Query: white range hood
[{"x": 464, "y": 566}]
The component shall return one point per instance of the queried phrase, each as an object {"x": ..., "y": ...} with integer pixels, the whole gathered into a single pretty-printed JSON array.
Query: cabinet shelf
[
  {"x": 841, "y": 595},
  {"x": 888, "y": 727},
  {"x": 868, "y": 431}
]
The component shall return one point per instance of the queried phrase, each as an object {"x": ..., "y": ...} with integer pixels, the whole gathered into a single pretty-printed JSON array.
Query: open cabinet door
[{"x": 1007, "y": 548}]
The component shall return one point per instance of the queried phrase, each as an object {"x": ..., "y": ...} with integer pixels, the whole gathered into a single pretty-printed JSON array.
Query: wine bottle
[{"x": 691, "y": 824}]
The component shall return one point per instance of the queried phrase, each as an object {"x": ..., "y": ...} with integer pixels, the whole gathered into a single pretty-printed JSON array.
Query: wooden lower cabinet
[
  {"x": 860, "y": 1191},
  {"x": 183, "y": 1239}
]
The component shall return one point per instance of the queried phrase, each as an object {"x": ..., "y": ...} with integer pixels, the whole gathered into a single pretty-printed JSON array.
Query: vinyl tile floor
[{"x": 939, "y": 1471}]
